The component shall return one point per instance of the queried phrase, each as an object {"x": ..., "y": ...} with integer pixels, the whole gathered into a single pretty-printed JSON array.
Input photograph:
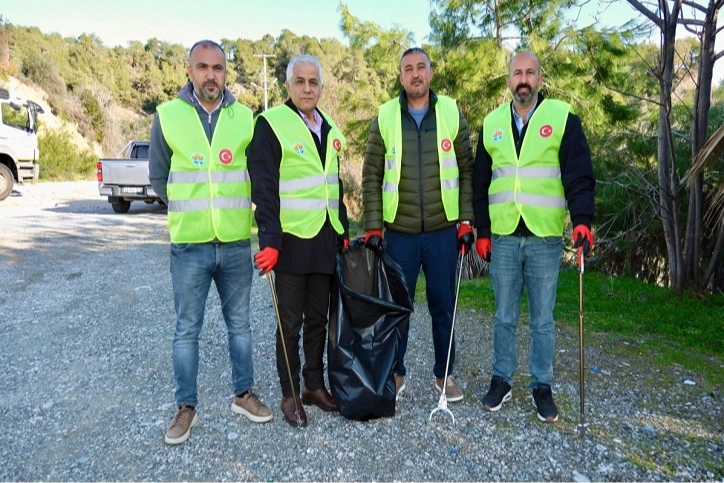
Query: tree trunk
[
  {"x": 667, "y": 172},
  {"x": 699, "y": 135}
]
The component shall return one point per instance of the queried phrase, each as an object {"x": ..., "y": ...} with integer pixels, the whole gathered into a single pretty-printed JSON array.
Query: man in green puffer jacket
[{"x": 417, "y": 186}]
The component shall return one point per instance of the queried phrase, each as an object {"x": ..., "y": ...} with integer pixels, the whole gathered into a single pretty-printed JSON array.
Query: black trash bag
[{"x": 371, "y": 309}]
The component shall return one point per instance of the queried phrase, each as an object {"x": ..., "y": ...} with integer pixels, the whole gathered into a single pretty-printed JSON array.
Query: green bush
[
  {"x": 61, "y": 160},
  {"x": 95, "y": 113},
  {"x": 43, "y": 72}
]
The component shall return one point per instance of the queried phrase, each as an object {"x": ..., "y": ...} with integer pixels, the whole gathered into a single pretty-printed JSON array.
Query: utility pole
[{"x": 266, "y": 84}]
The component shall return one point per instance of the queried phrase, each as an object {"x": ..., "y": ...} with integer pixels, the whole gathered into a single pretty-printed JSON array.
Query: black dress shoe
[
  {"x": 289, "y": 412},
  {"x": 320, "y": 398}
]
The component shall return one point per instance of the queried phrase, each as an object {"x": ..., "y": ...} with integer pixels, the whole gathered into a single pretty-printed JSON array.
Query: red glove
[
  {"x": 466, "y": 237},
  {"x": 582, "y": 239},
  {"x": 265, "y": 260},
  {"x": 484, "y": 248},
  {"x": 342, "y": 244},
  {"x": 374, "y": 240}
]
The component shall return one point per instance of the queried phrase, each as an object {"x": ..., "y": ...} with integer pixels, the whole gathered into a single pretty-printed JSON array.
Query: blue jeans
[
  {"x": 193, "y": 267},
  {"x": 436, "y": 252},
  {"x": 532, "y": 262}
]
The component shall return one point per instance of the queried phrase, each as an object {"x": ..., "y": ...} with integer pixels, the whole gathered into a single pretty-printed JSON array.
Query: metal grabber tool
[
  {"x": 442, "y": 402},
  {"x": 275, "y": 302},
  {"x": 581, "y": 385}
]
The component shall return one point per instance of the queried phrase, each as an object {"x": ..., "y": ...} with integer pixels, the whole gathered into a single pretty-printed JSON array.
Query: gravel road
[{"x": 86, "y": 324}]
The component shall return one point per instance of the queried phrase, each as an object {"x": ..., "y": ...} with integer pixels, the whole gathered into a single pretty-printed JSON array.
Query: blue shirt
[
  {"x": 418, "y": 114},
  {"x": 519, "y": 121}
]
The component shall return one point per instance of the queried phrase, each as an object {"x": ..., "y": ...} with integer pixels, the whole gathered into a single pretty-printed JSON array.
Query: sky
[
  {"x": 116, "y": 22},
  {"x": 186, "y": 21}
]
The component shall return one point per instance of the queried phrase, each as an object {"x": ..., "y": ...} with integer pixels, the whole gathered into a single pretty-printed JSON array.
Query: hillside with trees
[{"x": 648, "y": 108}]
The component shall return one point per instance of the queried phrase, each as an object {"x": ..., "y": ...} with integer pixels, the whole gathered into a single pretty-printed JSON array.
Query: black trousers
[{"x": 303, "y": 307}]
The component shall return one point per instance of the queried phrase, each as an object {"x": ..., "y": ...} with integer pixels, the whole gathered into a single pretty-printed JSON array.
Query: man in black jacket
[
  {"x": 532, "y": 163},
  {"x": 294, "y": 167}
]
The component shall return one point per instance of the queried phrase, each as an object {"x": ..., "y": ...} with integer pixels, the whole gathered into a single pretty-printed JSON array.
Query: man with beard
[
  {"x": 417, "y": 185},
  {"x": 532, "y": 162},
  {"x": 198, "y": 167}
]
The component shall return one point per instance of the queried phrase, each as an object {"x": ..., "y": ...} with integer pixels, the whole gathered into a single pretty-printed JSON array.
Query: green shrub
[
  {"x": 95, "y": 113},
  {"x": 43, "y": 72},
  {"x": 61, "y": 160}
]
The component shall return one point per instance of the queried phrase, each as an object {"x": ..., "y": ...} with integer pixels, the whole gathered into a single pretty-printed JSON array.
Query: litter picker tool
[
  {"x": 442, "y": 402},
  {"x": 581, "y": 384},
  {"x": 275, "y": 302}
]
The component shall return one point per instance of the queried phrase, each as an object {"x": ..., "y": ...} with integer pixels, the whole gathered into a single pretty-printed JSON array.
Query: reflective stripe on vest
[
  {"x": 447, "y": 125},
  {"x": 308, "y": 191},
  {"x": 209, "y": 191},
  {"x": 530, "y": 185}
]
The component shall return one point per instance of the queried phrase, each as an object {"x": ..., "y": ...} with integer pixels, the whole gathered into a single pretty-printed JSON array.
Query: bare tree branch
[
  {"x": 646, "y": 12},
  {"x": 691, "y": 21},
  {"x": 695, "y": 5},
  {"x": 641, "y": 98}
]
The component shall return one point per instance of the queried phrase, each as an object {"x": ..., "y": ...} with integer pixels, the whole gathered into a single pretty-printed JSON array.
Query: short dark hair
[
  {"x": 415, "y": 50},
  {"x": 206, "y": 43}
]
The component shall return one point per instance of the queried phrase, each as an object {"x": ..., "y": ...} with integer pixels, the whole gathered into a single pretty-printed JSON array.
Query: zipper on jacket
[{"x": 419, "y": 162}]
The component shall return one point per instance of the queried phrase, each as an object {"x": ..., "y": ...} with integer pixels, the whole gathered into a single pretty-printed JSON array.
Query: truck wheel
[
  {"x": 6, "y": 182},
  {"x": 121, "y": 206}
]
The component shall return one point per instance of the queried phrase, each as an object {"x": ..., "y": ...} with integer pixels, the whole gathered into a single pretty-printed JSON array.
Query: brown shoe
[
  {"x": 320, "y": 398},
  {"x": 251, "y": 407},
  {"x": 180, "y": 428},
  {"x": 289, "y": 412},
  {"x": 453, "y": 393},
  {"x": 399, "y": 386}
]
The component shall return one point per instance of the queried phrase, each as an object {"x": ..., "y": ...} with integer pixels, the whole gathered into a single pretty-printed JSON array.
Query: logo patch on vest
[
  {"x": 337, "y": 145},
  {"x": 197, "y": 159},
  {"x": 299, "y": 148},
  {"x": 225, "y": 156},
  {"x": 446, "y": 145},
  {"x": 546, "y": 131},
  {"x": 497, "y": 135}
]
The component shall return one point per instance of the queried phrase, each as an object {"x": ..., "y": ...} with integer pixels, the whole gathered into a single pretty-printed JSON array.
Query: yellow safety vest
[
  {"x": 530, "y": 185},
  {"x": 308, "y": 191},
  {"x": 447, "y": 124},
  {"x": 209, "y": 191}
]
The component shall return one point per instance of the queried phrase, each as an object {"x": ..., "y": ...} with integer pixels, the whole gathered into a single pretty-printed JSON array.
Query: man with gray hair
[{"x": 302, "y": 220}]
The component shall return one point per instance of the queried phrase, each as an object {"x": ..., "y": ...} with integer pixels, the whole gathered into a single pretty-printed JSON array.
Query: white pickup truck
[
  {"x": 18, "y": 141},
  {"x": 125, "y": 178}
]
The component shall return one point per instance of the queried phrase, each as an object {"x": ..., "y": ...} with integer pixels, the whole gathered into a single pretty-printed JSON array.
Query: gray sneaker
[
  {"x": 453, "y": 393},
  {"x": 251, "y": 407},
  {"x": 180, "y": 428}
]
